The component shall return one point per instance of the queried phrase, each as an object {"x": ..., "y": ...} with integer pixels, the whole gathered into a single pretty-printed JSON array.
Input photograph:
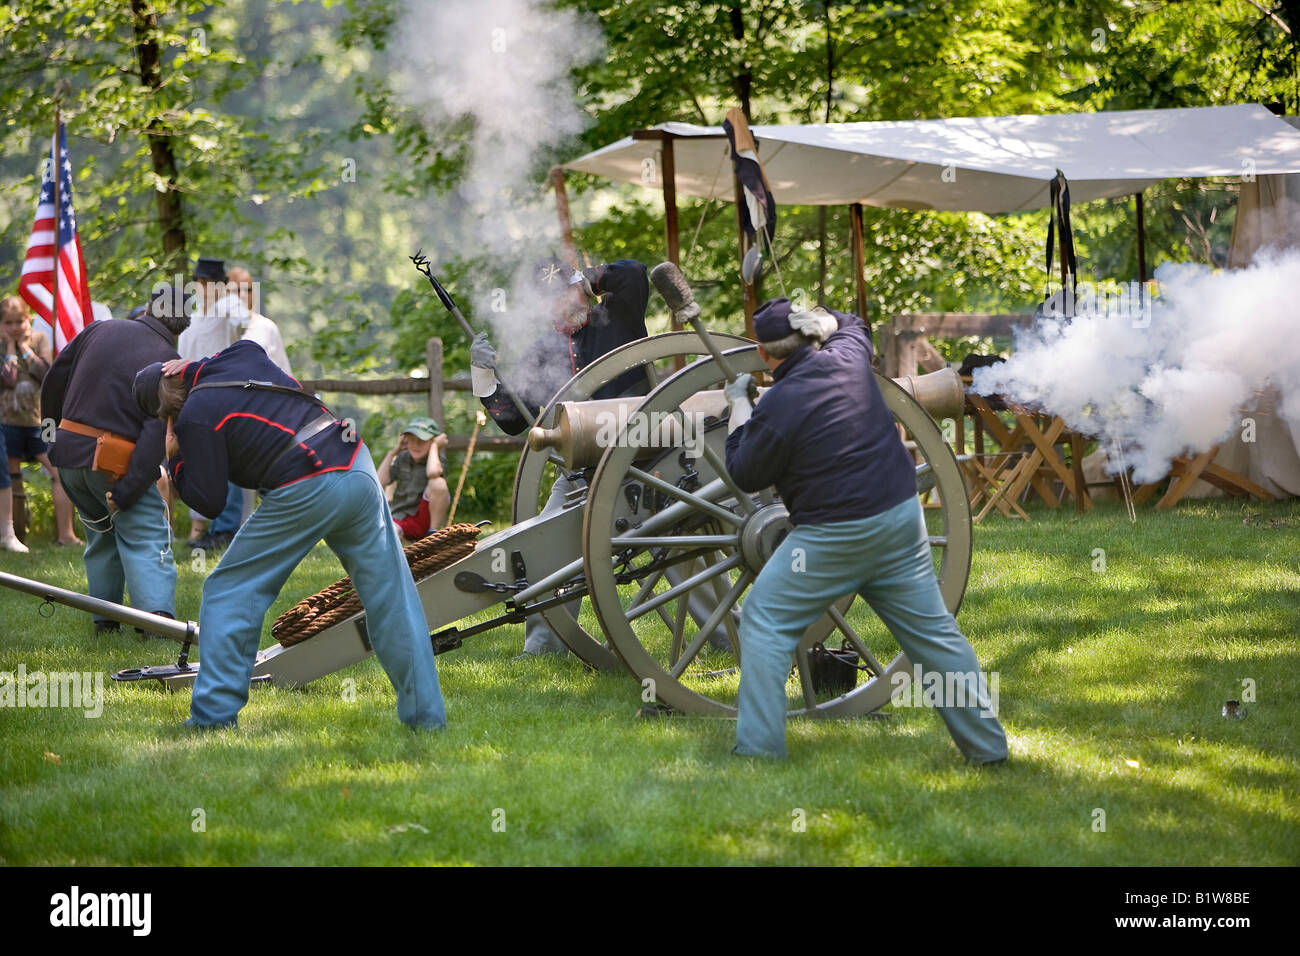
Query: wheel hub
[{"x": 762, "y": 532}]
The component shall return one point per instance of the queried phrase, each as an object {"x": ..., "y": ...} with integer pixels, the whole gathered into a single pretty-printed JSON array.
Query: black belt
[{"x": 308, "y": 431}]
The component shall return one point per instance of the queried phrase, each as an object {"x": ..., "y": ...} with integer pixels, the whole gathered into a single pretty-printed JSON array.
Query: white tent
[{"x": 988, "y": 164}]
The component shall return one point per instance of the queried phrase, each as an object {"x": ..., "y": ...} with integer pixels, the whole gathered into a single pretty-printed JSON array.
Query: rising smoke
[
  {"x": 1181, "y": 383},
  {"x": 505, "y": 65}
]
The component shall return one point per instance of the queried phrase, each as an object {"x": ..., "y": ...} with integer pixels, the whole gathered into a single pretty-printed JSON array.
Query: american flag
[{"x": 37, "y": 282}]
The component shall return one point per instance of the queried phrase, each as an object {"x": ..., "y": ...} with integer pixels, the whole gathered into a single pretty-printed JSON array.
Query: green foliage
[
  {"x": 40, "y": 503},
  {"x": 224, "y": 166}
]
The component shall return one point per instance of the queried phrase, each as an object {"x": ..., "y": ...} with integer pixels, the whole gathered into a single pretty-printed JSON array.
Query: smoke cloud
[
  {"x": 505, "y": 65},
  {"x": 1180, "y": 383}
]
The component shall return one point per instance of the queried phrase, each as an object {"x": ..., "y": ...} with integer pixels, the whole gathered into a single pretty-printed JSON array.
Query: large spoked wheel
[
  {"x": 698, "y": 521},
  {"x": 538, "y": 471}
]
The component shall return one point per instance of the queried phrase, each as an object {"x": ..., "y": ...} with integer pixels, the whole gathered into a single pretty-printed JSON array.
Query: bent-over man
[
  {"x": 235, "y": 417},
  {"x": 88, "y": 392}
]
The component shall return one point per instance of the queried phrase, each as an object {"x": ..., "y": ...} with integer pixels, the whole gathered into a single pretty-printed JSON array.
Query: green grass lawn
[{"x": 1111, "y": 687}]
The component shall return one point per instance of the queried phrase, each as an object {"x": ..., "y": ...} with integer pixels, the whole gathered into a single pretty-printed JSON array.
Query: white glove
[
  {"x": 482, "y": 381},
  {"x": 737, "y": 395},
  {"x": 482, "y": 360},
  {"x": 817, "y": 324}
]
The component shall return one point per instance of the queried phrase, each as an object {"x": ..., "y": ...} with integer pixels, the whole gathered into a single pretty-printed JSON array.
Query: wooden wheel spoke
[
  {"x": 845, "y": 628},
  {"x": 679, "y": 630},
  {"x": 729, "y": 619},
  {"x": 724, "y": 606},
  {"x": 680, "y": 541},
  {"x": 637, "y": 610},
  {"x": 702, "y": 499},
  {"x": 803, "y": 667},
  {"x": 720, "y": 468}
]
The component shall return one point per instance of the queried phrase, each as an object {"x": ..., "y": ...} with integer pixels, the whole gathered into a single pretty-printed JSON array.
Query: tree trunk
[{"x": 171, "y": 215}]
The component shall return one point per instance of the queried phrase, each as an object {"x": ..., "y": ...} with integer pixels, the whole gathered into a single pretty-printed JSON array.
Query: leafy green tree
[{"x": 163, "y": 173}]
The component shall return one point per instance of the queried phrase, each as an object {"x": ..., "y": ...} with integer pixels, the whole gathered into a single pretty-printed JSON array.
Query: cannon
[
  {"x": 657, "y": 542},
  {"x": 661, "y": 543}
]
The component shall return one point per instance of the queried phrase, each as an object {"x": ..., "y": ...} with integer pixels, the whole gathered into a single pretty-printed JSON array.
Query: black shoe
[
  {"x": 107, "y": 627},
  {"x": 212, "y": 542}
]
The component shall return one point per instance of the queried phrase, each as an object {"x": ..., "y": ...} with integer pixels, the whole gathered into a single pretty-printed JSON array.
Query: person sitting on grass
[
  {"x": 412, "y": 476},
  {"x": 25, "y": 360}
]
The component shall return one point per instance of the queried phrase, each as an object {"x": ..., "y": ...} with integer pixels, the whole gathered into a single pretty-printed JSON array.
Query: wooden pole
[
  {"x": 1142, "y": 241},
  {"x": 566, "y": 223},
  {"x": 479, "y": 421},
  {"x": 1067, "y": 282},
  {"x": 433, "y": 358},
  {"x": 859, "y": 262},
  {"x": 671, "y": 237},
  {"x": 670, "y": 204},
  {"x": 751, "y": 302}
]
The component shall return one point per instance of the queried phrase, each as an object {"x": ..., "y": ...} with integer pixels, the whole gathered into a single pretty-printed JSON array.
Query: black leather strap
[
  {"x": 308, "y": 431},
  {"x": 264, "y": 387}
]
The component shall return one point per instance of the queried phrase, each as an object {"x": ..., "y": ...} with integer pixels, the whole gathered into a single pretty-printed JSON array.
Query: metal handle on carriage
[{"x": 183, "y": 631}]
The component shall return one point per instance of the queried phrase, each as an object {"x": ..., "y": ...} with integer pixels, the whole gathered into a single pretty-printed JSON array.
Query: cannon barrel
[
  {"x": 584, "y": 430},
  {"x": 939, "y": 393}
]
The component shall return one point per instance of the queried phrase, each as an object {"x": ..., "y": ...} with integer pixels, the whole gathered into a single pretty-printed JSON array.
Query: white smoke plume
[
  {"x": 504, "y": 64},
  {"x": 1181, "y": 383}
]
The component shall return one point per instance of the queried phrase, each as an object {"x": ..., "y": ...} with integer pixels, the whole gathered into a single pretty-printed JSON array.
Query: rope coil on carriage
[{"x": 340, "y": 601}]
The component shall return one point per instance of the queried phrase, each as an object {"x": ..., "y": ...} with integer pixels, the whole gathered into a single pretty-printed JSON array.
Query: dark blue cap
[
  {"x": 145, "y": 389},
  {"x": 772, "y": 320}
]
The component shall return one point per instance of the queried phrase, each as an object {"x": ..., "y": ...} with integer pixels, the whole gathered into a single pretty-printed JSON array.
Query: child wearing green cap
[{"x": 412, "y": 474}]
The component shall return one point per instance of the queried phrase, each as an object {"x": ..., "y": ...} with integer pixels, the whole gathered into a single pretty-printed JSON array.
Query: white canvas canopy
[{"x": 987, "y": 164}]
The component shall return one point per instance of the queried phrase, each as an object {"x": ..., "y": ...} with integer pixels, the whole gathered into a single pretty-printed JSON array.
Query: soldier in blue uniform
[
  {"x": 237, "y": 417},
  {"x": 87, "y": 392},
  {"x": 825, "y": 438},
  {"x": 579, "y": 333}
]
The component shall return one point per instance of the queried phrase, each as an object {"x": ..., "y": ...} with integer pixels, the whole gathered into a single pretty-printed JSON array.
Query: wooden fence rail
[{"x": 435, "y": 386}]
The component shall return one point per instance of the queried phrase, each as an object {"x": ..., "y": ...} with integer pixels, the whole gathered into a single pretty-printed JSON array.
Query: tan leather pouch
[{"x": 112, "y": 456}]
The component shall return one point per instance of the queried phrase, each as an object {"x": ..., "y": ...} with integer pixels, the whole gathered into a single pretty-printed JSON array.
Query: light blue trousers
[
  {"x": 130, "y": 551},
  {"x": 540, "y": 637},
  {"x": 348, "y": 510},
  {"x": 886, "y": 559}
]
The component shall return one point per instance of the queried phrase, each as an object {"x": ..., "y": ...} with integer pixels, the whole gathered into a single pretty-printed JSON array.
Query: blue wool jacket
[
  {"x": 823, "y": 435},
  {"x": 90, "y": 382},
  {"x": 555, "y": 357},
  {"x": 238, "y": 435}
]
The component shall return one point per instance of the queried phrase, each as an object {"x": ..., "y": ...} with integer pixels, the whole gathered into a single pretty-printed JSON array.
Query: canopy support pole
[
  {"x": 671, "y": 237},
  {"x": 859, "y": 262},
  {"x": 566, "y": 224},
  {"x": 1142, "y": 240},
  {"x": 751, "y": 301}
]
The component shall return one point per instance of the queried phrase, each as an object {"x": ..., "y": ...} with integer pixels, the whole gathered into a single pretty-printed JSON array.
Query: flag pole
[{"x": 57, "y": 174}]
